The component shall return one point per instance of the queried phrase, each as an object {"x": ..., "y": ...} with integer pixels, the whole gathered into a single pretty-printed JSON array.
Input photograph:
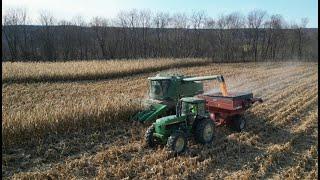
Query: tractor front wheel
[
  {"x": 204, "y": 132},
  {"x": 177, "y": 142},
  {"x": 149, "y": 136},
  {"x": 237, "y": 123}
]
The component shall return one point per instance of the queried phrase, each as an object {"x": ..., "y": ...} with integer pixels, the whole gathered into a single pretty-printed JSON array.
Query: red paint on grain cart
[{"x": 223, "y": 108}]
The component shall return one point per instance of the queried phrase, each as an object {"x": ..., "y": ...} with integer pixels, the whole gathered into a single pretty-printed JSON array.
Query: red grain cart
[{"x": 227, "y": 110}]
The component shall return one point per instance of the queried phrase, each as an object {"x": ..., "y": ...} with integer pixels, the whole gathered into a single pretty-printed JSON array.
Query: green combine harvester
[{"x": 166, "y": 90}]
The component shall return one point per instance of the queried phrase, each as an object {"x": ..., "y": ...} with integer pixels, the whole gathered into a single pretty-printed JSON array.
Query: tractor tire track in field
[
  {"x": 260, "y": 82},
  {"x": 294, "y": 106},
  {"x": 291, "y": 151},
  {"x": 280, "y": 99},
  {"x": 307, "y": 99},
  {"x": 279, "y": 141}
]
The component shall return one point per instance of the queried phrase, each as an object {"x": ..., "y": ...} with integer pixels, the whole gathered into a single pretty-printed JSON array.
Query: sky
[{"x": 291, "y": 10}]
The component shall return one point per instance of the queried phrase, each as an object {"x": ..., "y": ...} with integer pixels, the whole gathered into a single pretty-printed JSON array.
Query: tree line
[{"x": 233, "y": 37}]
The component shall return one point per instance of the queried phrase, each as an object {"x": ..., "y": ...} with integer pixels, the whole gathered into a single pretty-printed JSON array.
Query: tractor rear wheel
[
  {"x": 204, "y": 131},
  {"x": 237, "y": 123},
  {"x": 149, "y": 136},
  {"x": 177, "y": 142}
]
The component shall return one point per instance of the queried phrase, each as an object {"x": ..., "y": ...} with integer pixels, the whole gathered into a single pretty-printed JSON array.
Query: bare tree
[
  {"x": 99, "y": 26},
  {"x": 198, "y": 20},
  {"x": 180, "y": 20},
  {"x": 212, "y": 37},
  {"x": 47, "y": 20},
  {"x": 180, "y": 23},
  {"x": 142, "y": 34},
  {"x": 12, "y": 19},
  {"x": 123, "y": 22},
  {"x": 275, "y": 36},
  {"x": 255, "y": 20},
  {"x": 229, "y": 35},
  {"x": 67, "y": 48},
  {"x": 81, "y": 37},
  {"x": 210, "y": 23},
  {"x": 160, "y": 21},
  {"x": 301, "y": 35},
  {"x": 145, "y": 17}
]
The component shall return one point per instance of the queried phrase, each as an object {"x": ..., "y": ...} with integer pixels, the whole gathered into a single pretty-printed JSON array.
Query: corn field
[{"x": 71, "y": 121}]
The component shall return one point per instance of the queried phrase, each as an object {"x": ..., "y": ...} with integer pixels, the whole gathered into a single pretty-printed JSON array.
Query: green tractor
[{"x": 191, "y": 120}]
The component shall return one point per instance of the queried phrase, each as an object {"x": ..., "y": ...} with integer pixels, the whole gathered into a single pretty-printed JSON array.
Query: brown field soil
[{"x": 81, "y": 129}]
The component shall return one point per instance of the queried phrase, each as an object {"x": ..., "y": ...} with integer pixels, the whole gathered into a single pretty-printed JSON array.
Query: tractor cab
[{"x": 191, "y": 107}]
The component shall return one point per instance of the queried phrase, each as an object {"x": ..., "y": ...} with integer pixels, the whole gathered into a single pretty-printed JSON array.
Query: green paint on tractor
[{"x": 191, "y": 119}]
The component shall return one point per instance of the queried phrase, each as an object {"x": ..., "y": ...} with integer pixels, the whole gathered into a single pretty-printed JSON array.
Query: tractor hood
[
  {"x": 162, "y": 124},
  {"x": 169, "y": 120}
]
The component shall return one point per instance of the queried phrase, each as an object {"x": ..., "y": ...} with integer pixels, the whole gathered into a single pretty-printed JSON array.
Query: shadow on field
[
  {"x": 56, "y": 148},
  {"x": 66, "y": 139},
  {"x": 228, "y": 154},
  {"x": 95, "y": 77}
]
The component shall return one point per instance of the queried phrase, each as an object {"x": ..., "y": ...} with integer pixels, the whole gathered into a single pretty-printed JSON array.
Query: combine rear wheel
[
  {"x": 177, "y": 142},
  {"x": 204, "y": 131},
  {"x": 237, "y": 123}
]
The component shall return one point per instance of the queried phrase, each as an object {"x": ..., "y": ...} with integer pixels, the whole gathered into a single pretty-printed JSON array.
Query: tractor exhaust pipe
[{"x": 223, "y": 86}]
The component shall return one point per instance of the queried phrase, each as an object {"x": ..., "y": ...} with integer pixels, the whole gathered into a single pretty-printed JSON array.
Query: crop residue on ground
[{"x": 80, "y": 129}]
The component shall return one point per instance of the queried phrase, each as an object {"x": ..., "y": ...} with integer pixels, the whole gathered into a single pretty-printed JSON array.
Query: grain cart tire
[
  {"x": 237, "y": 123},
  {"x": 204, "y": 132},
  {"x": 149, "y": 136},
  {"x": 177, "y": 142}
]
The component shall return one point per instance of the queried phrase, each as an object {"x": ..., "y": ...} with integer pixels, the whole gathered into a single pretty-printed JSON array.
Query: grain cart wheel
[
  {"x": 149, "y": 136},
  {"x": 237, "y": 123},
  {"x": 177, "y": 142},
  {"x": 204, "y": 131}
]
